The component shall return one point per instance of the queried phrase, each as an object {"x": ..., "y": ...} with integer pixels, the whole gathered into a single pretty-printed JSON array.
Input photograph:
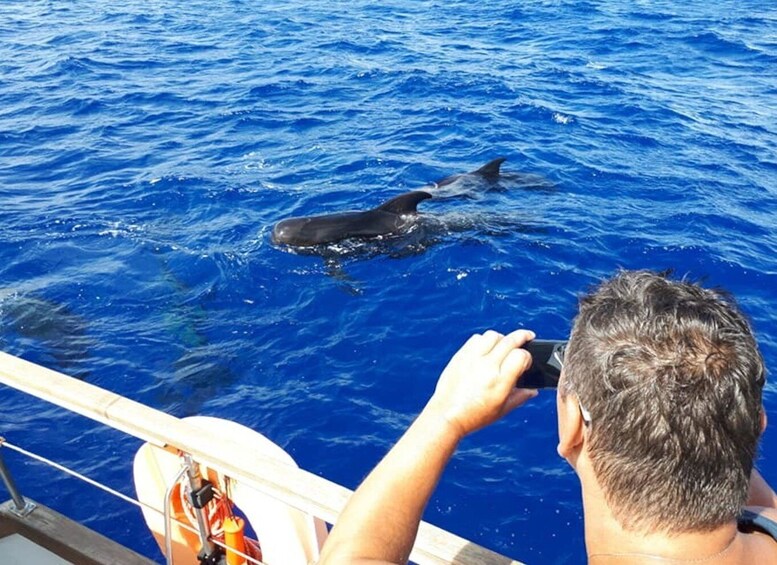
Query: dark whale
[{"x": 393, "y": 217}]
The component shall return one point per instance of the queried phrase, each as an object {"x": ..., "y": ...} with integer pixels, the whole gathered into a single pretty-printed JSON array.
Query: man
[{"x": 659, "y": 413}]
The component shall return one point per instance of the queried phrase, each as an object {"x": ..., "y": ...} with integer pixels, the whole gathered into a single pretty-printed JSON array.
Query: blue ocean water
[{"x": 146, "y": 150}]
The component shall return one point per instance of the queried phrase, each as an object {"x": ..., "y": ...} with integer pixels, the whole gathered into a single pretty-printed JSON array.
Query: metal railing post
[
  {"x": 209, "y": 549},
  {"x": 168, "y": 519},
  {"x": 22, "y": 507}
]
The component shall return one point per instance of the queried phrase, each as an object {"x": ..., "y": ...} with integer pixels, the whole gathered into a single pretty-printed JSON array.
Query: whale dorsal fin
[
  {"x": 491, "y": 169},
  {"x": 404, "y": 203}
]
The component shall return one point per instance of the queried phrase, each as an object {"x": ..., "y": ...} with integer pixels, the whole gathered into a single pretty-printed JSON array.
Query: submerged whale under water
[{"x": 50, "y": 329}]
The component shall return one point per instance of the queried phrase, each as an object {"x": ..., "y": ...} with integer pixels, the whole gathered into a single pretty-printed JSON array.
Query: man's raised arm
[{"x": 380, "y": 522}]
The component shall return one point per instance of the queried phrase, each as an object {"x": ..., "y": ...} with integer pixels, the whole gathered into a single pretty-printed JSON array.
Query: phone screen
[{"x": 547, "y": 361}]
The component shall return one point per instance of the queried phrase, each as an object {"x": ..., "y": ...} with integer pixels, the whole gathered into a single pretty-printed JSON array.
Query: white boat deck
[{"x": 18, "y": 550}]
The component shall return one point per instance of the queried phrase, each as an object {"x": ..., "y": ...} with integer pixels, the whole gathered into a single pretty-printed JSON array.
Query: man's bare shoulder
[{"x": 762, "y": 547}]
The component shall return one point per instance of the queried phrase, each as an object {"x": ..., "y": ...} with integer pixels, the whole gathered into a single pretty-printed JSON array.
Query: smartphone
[{"x": 547, "y": 360}]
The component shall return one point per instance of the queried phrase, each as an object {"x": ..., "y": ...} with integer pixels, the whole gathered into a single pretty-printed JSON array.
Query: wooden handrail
[{"x": 296, "y": 487}]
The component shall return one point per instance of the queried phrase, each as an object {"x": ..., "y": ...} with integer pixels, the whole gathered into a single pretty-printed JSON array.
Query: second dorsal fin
[{"x": 491, "y": 169}]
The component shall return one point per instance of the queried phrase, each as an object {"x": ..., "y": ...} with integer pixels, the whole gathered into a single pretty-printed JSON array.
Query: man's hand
[{"x": 479, "y": 384}]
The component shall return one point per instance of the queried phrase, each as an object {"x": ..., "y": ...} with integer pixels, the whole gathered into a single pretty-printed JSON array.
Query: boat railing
[{"x": 295, "y": 487}]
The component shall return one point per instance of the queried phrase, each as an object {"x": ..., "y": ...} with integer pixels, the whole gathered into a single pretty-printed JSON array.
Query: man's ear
[
  {"x": 571, "y": 427},
  {"x": 763, "y": 419}
]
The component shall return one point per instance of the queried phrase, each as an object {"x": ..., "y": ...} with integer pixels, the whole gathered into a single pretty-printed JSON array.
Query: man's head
[{"x": 671, "y": 376}]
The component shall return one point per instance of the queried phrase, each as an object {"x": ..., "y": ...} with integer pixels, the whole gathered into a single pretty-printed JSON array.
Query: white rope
[
  {"x": 122, "y": 496},
  {"x": 77, "y": 475}
]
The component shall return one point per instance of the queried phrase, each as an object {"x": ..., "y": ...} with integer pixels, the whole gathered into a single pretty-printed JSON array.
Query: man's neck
[{"x": 608, "y": 542}]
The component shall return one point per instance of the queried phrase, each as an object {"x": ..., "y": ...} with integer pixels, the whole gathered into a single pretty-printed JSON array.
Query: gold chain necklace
[{"x": 729, "y": 545}]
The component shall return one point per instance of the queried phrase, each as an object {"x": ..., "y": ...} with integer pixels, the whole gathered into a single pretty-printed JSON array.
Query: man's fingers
[
  {"x": 516, "y": 362},
  {"x": 517, "y": 397},
  {"x": 510, "y": 342},
  {"x": 472, "y": 342},
  {"x": 492, "y": 342},
  {"x": 483, "y": 344}
]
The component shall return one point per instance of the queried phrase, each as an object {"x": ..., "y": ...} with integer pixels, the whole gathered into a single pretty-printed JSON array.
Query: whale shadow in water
[
  {"x": 202, "y": 369},
  {"x": 48, "y": 331},
  {"x": 466, "y": 228},
  {"x": 198, "y": 376}
]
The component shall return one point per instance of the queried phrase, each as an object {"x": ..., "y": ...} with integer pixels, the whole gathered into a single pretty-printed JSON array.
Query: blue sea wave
[{"x": 146, "y": 150}]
